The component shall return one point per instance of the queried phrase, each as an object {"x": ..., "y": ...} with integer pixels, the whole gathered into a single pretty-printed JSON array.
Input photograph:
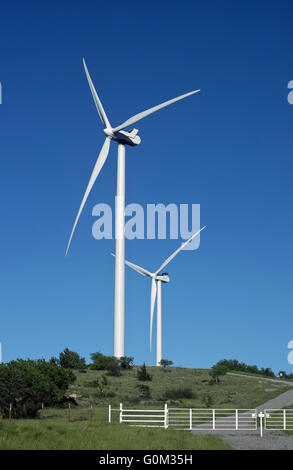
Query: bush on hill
[
  {"x": 26, "y": 384},
  {"x": 179, "y": 392},
  {"x": 234, "y": 365},
  {"x": 71, "y": 360}
]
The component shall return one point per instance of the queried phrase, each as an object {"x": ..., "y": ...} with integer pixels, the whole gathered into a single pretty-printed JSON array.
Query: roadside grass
[{"x": 53, "y": 434}]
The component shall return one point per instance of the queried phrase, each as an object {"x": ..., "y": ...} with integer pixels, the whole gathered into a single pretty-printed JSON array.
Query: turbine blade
[
  {"x": 97, "y": 168},
  {"x": 137, "y": 268},
  {"x": 178, "y": 249},
  {"x": 97, "y": 101},
  {"x": 146, "y": 113},
  {"x": 153, "y": 299}
]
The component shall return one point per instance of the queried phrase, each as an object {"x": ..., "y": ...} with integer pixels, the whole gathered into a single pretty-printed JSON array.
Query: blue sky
[{"x": 228, "y": 148}]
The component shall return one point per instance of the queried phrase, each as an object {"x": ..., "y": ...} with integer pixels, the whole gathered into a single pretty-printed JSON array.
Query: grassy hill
[{"x": 177, "y": 386}]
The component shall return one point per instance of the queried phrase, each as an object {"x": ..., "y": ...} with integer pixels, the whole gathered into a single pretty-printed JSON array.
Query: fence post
[
  {"x": 284, "y": 418},
  {"x": 236, "y": 420},
  {"x": 120, "y": 414},
  {"x": 214, "y": 419},
  {"x": 190, "y": 419},
  {"x": 10, "y": 412},
  {"x": 261, "y": 415},
  {"x": 166, "y": 416},
  {"x": 110, "y": 413}
]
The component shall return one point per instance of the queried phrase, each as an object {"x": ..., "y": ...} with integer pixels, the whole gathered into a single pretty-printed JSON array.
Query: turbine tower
[
  {"x": 122, "y": 138},
  {"x": 156, "y": 290}
]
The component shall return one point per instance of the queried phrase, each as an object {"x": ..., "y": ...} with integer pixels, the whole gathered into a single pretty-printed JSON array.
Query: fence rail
[
  {"x": 276, "y": 419},
  {"x": 189, "y": 418},
  {"x": 212, "y": 419}
]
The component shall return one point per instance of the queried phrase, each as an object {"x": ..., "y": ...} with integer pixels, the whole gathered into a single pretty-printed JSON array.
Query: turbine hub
[{"x": 108, "y": 132}]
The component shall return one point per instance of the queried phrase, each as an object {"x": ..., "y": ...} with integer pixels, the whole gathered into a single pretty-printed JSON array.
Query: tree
[
  {"x": 71, "y": 360},
  {"x": 109, "y": 363},
  {"x": 113, "y": 367},
  {"x": 142, "y": 373},
  {"x": 217, "y": 370},
  {"x": 26, "y": 384},
  {"x": 126, "y": 362},
  {"x": 267, "y": 372},
  {"x": 165, "y": 363}
]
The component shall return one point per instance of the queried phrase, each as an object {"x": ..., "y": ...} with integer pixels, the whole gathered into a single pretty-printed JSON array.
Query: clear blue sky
[{"x": 228, "y": 148}]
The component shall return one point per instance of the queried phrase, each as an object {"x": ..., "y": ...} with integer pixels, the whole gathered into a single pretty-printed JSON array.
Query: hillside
[{"x": 178, "y": 386}]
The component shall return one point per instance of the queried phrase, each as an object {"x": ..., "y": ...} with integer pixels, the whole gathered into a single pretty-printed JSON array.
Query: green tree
[
  {"x": 71, "y": 360},
  {"x": 142, "y": 374},
  {"x": 26, "y": 384},
  {"x": 113, "y": 367},
  {"x": 109, "y": 363},
  {"x": 126, "y": 362},
  {"x": 217, "y": 371},
  {"x": 165, "y": 363}
]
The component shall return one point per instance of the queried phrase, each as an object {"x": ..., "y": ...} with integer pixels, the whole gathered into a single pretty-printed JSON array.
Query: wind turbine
[
  {"x": 122, "y": 138},
  {"x": 156, "y": 289}
]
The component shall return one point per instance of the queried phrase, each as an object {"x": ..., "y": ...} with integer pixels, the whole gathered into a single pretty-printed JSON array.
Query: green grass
[
  {"x": 231, "y": 392},
  {"x": 53, "y": 434}
]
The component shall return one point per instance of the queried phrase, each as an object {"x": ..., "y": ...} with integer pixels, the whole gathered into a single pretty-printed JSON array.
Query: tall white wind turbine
[
  {"x": 122, "y": 138},
  {"x": 156, "y": 290}
]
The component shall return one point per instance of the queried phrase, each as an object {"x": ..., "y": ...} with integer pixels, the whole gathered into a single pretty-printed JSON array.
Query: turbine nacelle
[
  {"x": 123, "y": 137},
  {"x": 162, "y": 277}
]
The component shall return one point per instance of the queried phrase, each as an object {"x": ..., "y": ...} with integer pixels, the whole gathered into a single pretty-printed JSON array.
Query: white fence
[
  {"x": 212, "y": 419},
  {"x": 189, "y": 418},
  {"x": 278, "y": 420},
  {"x": 147, "y": 418},
  {"x": 206, "y": 419}
]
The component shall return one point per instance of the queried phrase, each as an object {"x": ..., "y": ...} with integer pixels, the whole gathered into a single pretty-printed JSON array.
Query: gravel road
[{"x": 251, "y": 440}]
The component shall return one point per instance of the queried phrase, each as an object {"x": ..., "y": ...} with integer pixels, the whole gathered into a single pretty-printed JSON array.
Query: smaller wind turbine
[{"x": 156, "y": 288}]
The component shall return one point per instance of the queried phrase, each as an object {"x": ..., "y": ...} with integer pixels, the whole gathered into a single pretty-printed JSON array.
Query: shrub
[
  {"x": 126, "y": 362},
  {"x": 105, "y": 381},
  {"x": 179, "y": 392},
  {"x": 109, "y": 363},
  {"x": 94, "y": 383},
  {"x": 234, "y": 365},
  {"x": 113, "y": 369},
  {"x": 142, "y": 373},
  {"x": 208, "y": 400},
  {"x": 144, "y": 391}
]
